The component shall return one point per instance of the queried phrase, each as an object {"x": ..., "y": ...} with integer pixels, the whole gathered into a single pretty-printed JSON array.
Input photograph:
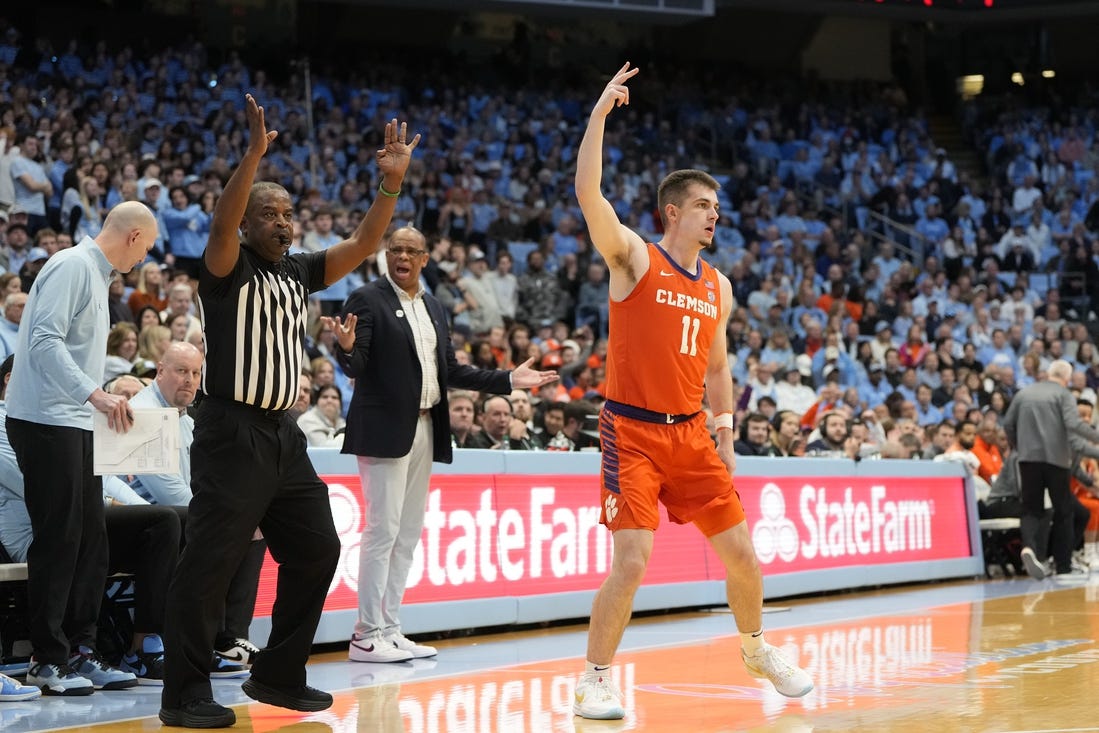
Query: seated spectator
[
  {"x": 9, "y": 324},
  {"x": 496, "y": 422},
  {"x": 926, "y": 412},
  {"x": 117, "y": 308},
  {"x": 581, "y": 426},
  {"x": 755, "y": 437},
  {"x": 792, "y": 393},
  {"x": 322, "y": 423},
  {"x": 786, "y": 435},
  {"x": 834, "y": 440},
  {"x": 152, "y": 342},
  {"x": 903, "y": 450},
  {"x": 181, "y": 302},
  {"x": 522, "y": 418},
  {"x": 762, "y": 383},
  {"x": 462, "y": 412},
  {"x": 126, "y": 385},
  {"x": 121, "y": 350},
  {"x": 986, "y": 446},
  {"x": 961, "y": 451},
  {"x": 914, "y": 349},
  {"x": 305, "y": 395},
  {"x": 148, "y": 290},
  {"x": 942, "y": 437}
]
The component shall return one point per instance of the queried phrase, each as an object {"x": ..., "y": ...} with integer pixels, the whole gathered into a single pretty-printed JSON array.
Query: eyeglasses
[{"x": 410, "y": 252}]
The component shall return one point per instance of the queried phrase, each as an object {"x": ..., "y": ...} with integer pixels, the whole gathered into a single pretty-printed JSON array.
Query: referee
[{"x": 249, "y": 462}]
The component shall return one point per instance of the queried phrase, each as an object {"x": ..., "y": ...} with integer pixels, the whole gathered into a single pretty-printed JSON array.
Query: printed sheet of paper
[{"x": 151, "y": 445}]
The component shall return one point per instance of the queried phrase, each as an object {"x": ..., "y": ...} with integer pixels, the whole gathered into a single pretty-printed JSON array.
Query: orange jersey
[{"x": 660, "y": 336}]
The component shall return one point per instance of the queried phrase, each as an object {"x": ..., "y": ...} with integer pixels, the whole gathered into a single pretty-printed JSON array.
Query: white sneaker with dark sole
[
  {"x": 374, "y": 648},
  {"x": 58, "y": 679}
]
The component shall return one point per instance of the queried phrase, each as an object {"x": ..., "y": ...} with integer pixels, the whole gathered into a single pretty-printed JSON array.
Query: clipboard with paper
[{"x": 150, "y": 446}]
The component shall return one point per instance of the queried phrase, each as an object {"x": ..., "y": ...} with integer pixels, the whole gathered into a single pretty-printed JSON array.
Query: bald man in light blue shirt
[{"x": 53, "y": 392}]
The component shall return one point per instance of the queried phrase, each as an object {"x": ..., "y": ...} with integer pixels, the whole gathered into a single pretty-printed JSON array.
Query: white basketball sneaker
[
  {"x": 770, "y": 664},
  {"x": 597, "y": 698},
  {"x": 374, "y": 648}
]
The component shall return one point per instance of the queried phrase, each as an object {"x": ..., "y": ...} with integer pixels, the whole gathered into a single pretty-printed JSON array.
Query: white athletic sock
[
  {"x": 591, "y": 669},
  {"x": 752, "y": 643}
]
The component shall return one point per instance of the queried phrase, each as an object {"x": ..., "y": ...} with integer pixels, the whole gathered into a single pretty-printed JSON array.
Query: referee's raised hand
[
  {"x": 393, "y": 159},
  {"x": 258, "y": 135}
]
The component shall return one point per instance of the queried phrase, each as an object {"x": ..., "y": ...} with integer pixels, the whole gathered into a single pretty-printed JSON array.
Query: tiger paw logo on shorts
[{"x": 610, "y": 508}]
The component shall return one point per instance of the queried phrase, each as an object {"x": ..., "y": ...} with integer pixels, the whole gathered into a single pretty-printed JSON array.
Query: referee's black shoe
[
  {"x": 305, "y": 698},
  {"x": 198, "y": 714}
]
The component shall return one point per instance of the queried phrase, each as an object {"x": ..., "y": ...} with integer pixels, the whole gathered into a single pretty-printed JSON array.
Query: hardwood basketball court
[{"x": 1008, "y": 655}]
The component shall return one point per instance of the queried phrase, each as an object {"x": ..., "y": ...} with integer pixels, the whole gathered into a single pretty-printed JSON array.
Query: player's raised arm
[{"x": 608, "y": 234}]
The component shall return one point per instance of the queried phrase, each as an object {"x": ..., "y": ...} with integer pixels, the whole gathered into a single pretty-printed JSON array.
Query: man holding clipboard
[{"x": 54, "y": 391}]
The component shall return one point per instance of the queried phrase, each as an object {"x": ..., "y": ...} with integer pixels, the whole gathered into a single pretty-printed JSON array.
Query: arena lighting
[
  {"x": 1017, "y": 78},
  {"x": 1048, "y": 73},
  {"x": 931, "y": 3}
]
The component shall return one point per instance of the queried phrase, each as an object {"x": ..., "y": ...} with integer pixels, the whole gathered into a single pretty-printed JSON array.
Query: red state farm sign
[
  {"x": 513, "y": 535},
  {"x": 811, "y": 523}
]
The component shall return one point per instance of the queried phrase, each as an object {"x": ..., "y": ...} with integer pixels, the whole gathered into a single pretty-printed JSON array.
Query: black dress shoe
[
  {"x": 304, "y": 698},
  {"x": 203, "y": 713}
]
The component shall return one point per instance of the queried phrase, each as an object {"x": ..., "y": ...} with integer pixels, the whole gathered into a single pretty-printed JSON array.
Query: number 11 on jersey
[{"x": 689, "y": 342}]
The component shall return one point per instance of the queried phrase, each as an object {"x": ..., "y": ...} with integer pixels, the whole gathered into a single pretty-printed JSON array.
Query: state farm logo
[
  {"x": 774, "y": 534},
  {"x": 832, "y": 529}
]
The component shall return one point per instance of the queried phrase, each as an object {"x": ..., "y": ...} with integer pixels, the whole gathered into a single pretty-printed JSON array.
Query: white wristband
[{"x": 723, "y": 421}]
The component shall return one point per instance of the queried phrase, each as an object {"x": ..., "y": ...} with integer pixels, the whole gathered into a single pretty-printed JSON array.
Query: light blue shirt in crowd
[
  {"x": 15, "y": 523},
  {"x": 187, "y": 230},
  {"x": 32, "y": 202},
  {"x": 9, "y": 333},
  {"x": 62, "y": 345},
  {"x": 168, "y": 489}
]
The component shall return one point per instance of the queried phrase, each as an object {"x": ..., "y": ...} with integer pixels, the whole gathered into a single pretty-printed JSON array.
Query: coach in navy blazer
[
  {"x": 385, "y": 406},
  {"x": 396, "y": 344}
]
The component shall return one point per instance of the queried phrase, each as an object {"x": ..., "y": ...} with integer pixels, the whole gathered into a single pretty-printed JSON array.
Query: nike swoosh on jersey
[{"x": 666, "y": 274}]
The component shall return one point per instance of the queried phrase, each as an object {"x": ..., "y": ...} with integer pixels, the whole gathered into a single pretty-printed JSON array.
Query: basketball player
[{"x": 668, "y": 312}]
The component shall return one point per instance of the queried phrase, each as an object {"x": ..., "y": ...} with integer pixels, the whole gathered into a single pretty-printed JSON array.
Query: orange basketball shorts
[{"x": 676, "y": 465}]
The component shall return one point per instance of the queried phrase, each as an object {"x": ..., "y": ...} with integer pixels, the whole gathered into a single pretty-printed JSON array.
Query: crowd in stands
[{"x": 888, "y": 303}]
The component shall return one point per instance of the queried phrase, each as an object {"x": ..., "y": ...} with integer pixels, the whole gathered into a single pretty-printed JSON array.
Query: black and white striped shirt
[{"x": 254, "y": 326}]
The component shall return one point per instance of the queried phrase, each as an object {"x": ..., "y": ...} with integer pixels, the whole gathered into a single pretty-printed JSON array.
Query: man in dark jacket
[{"x": 396, "y": 346}]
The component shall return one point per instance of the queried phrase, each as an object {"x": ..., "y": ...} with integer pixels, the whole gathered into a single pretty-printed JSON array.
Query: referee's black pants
[
  {"x": 249, "y": 468},
  {"x": 67, "y": 559}
]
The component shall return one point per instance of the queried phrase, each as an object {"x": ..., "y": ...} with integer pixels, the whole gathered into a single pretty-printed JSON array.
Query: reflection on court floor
[{"x": 983, "y": 656}]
